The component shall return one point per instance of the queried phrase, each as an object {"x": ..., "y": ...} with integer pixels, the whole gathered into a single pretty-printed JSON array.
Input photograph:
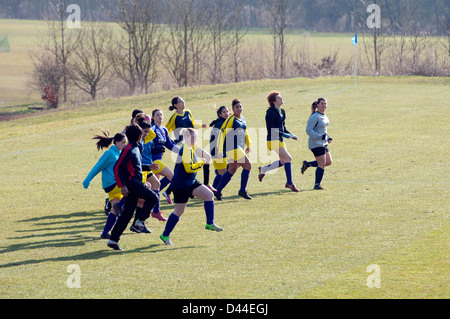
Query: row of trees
[
  {"x": 203, "y": 41},
  {"x": 318, "y": 15}
]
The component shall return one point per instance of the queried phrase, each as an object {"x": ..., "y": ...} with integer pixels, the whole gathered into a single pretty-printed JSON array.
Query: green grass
[{"x": 386, "y": 203}]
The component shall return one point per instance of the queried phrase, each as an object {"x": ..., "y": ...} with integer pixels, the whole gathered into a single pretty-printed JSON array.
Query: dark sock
[
  {"x": 164, "y": 182},
  {"x": 319, "y": 175},
  {"x": 209, "y": 210},
  {"x": 206, "y": 174},
  {"x": 226, "y": 178},
  {"x": 288, "y": 170},
  {"x": 313, "y": 164},
  {"x": 217, "y": 181},
  {"x": 244, "y": 180},
  {"x": 110, "y": 221},
  {"x": 170, "y": 224}
]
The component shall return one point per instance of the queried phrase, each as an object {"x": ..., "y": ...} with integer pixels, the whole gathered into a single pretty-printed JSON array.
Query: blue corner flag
[{"x": 355, "y": 39}]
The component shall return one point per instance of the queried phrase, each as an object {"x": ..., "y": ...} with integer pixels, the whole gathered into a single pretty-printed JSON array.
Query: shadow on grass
[{"x": 69, "y": 231}]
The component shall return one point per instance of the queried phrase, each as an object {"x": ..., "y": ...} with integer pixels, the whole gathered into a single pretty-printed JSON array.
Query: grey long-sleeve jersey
[{"x": 316, "y": 128}]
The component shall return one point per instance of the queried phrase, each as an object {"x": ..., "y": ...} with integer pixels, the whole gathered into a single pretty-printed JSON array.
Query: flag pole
[{"x": 355, "y": 43}]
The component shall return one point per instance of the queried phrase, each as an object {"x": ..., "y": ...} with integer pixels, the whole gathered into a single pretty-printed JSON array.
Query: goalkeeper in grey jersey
[{"x": 318, "y": 141}]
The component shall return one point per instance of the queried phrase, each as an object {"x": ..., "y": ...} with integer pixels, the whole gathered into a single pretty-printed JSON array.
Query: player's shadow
[{"x": 66, "y": 231}]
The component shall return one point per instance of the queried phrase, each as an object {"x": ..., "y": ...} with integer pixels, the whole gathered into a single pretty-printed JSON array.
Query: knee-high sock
[
  {"x": 244, "y": 180},
  {"x": 170, "y": 224},
  {"x": 206, "y": 174},
  {"x": 226, "y": 178},
  {"x": 164, "y": 182},
  {"x": 110, "y": 221},
  {"x": 312, "y": 164},
  {"x": 217, "y": 181},
  {"x": 209, "y": 210},
  {"x": 156, "y": 207},
  {"x": 272, "y": 166},
  {"x": 319, "y": 175},
  {"x": 288, "y": 170}
]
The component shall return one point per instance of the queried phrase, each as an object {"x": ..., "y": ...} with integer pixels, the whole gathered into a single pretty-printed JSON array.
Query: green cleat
[
  {"x": 213, "y": 227},
  {"x": 166, "y": 240}
]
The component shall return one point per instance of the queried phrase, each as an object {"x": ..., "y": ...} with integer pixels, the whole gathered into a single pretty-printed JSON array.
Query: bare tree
[
  {"x": 62, "y": 41},
  {"x": 239, "y": 33},
  {"x": 90, "y": 63},
  {"x": 47, "y": 77},
  {"x": 221, "y": 39},
  {"x": 137, "y": 55},
  {"x": 376, "y": 43},
  {"x": 277, "y": 15},
  {"x": 186, "y": 41}
]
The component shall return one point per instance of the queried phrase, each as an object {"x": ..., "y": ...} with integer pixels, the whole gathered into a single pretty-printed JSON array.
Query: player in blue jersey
[
  {"x": 162, "y": 142},
  {"x": 105, "y": 165},
  {"x": 318, "y": 141},
  {"x": 220, "y": 163},
  {"x": 234, "y": 144},
  {"x": 185, "y": 185},
  {"x": 276, "y": 133}
]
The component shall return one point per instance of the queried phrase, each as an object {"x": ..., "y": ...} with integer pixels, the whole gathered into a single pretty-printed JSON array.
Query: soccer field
[{"x": 380, "y": 230}]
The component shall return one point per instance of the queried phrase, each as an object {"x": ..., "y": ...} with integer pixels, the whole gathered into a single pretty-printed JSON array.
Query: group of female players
[{"x": 134, "y": 174}]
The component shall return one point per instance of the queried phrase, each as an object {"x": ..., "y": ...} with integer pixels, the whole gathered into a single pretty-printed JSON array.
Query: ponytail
[
  {"x": 315, "y": 105},
  {"x": 174, "y": 101},
  {"x": 106, "y": 140}
]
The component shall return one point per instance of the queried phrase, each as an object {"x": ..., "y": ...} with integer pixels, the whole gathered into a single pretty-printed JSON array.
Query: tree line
[
  {"x": 319, "y": 15},
  {"x": 197, "y": 42}
]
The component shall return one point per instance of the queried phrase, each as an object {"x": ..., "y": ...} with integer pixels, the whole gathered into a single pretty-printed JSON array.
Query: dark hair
[
  {"x": 135, "y": 113},
  {"x": 315, "y": 104},
  {"x": 235, "y": 101},
  {"x": 174, "y": 101},
  {"x": 272, "y": 98},
  {"x": 143, "y": 120},
  {"x": 219, "y": 111},
  {"x": 133, "y": 132},
  {"x": 106, "y": 140},
  {"x": 153, "y": 114}
]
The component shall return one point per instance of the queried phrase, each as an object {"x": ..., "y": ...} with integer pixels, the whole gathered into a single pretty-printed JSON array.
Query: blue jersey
[
  {"x": 233, "y": 135},
  {"x": 161, "y": 141},
  {"x": 215, "y": 131},
  {"x": 275, "y": 124},
  {"x": 186, "y": 168}
]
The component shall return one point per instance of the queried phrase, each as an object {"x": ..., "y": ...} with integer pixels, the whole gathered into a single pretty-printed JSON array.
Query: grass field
[{"x": 386, "y": 202}]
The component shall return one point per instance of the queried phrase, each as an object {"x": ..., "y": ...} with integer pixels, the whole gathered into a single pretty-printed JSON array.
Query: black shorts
[
  {"x": 320, "y": 151},
  {"x": 182, "y": 195}
]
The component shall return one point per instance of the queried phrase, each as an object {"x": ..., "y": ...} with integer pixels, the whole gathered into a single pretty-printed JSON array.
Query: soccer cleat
[
  {"x": 167, "y": 197},
  {"x": 304, "y": 167},
  {"x": 319, "y": 188},
  {"x": 292, "y": 187},
  {"x": 118, "y": 208},
  {"x": 244, "y": 194},
  {"x": 261, "y": 175},
  {"x": 114, "y": 245},
  {"x": 139, "y": 227},
  {"x": 218, "y": 196},
  {"x": 213, "y": 227},
  {"x": 107, "y": 206},
  {"x": 212, "y": 189},
  {"x": 166, "y": 240},
  {"x": 159, "y": 216}
]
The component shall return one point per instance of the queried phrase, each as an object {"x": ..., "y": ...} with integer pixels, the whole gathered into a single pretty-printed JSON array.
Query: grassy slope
[{"x": 386, "y": 202}]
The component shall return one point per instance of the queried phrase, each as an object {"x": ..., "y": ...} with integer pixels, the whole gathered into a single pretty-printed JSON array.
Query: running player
[{"x": 185, "y": 185}]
